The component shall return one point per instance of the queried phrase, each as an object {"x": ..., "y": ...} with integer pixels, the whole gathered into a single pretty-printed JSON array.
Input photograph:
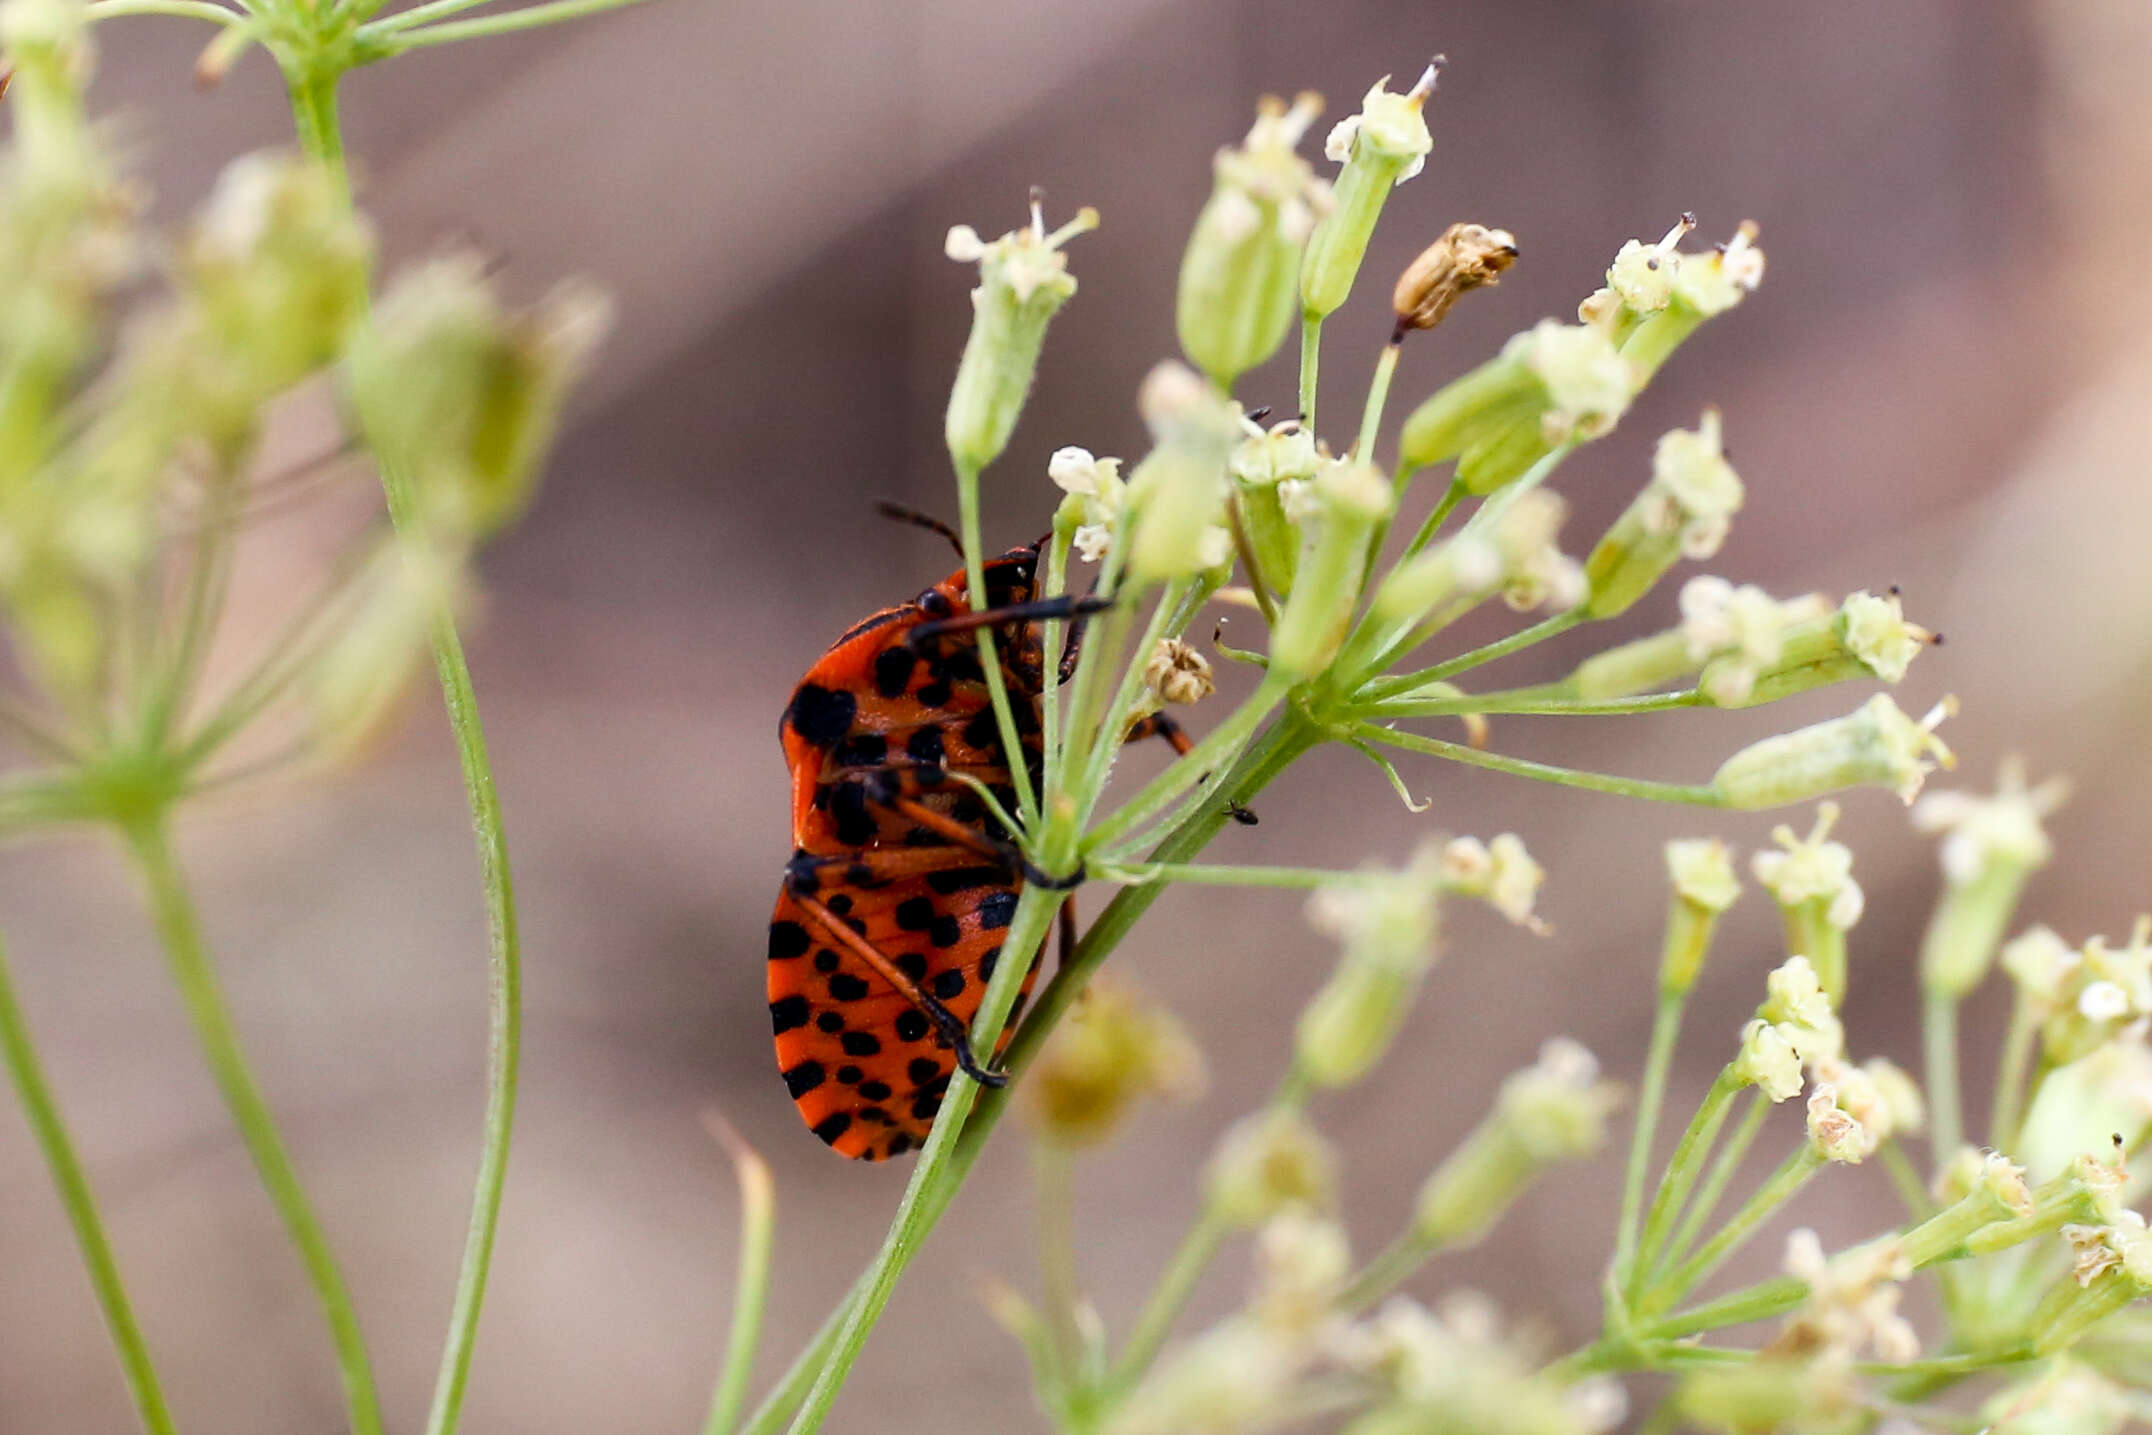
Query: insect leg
[
  {"x": 1067, "y": 605},
  {"x": 945, "y": 1021},
  {"x": 1068, "y": 932},
  {"x": 1159, "y": 725}
]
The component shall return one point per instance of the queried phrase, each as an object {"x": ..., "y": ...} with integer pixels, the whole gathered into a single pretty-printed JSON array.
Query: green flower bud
[
  {"x": 1115, "y": 1049},
  {"x": 1554, "y": 384},
  {"x": 1811, "y": 879},
  {"x": 1877, "y": 745},
  {"x": 1239, "y": 278},
  {"x": 1351, "y": 499},
  {"x": 1702, "y": 285},
  {"x": 1992, "y": 846},
  {"x": 1176, "y": 496},
  {"x": 1868, "y": 637},
  {"x": 1461, "y": 569},
  {"x": 1023, "y": 282},
  {"x": 1386, "y": 922},
  {"x": 1380, "y": 148},
  {"x": 1286, "y": 453},
  {"x": 1768, "y": 1060},
  {"x": 1682, "y": 513},
  {"x": 1553, "y": 1111},
  {"x": 1701, "y": 870},
  {"x": 2066, "y": 1397},
  {"x": 1640, "y": 283},
  {"x": 1268, "y": 1163},
  {"x": 1774, "y": 1393},
  {"x": 465, "y": 396}
]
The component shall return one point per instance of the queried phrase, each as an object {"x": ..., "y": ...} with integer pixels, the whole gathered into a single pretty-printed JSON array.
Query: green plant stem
[
  {"x": 1939, "y": 1044},
  {"x": 1728, "y": 1162},
  {"x": 33, "y": 731},
  {"x": 1906, "y": 1180},
  {"x": 424, "y": 14},
  {"x": 1311, "y": 349},
  {"x": 997, "y": 688},
  {"x": 785, "y": 1397},
  {"x": 1392, "y": 1266},
  {"x": 1761, "y": 1301},
  {"x": 1651, "y": 1096},
  {"x": 1378, "y": 393},
  {"x": 1516, "y": 642},
  {"x": 1205, "y": 760},
  {"x": 182, "y": 9},
  {"x": 207, "y": 581},
  {"x": 1198, "y": 1248},
  {"x": 314, "y": 112},
  {"x": 2012, "y": 1077},
  {"x": 1680, "y": 1178},
  {"x": 529, "y": 17},
  {"x": 80, "y": 1203},
  {"x": 1777, "y": 1188},
  {"x": 1205, "y": 875},
  {"x": 1525, "y": 702},
  {"x": 1053, "y": 1178},
  {"x": 1432, "y": 524},
  {"x": 1695, "y": 795},
  {"x": 751, "y": 1281},
  {"x": 192, "y": 972},
  {"x": 917, "y": 1212}
]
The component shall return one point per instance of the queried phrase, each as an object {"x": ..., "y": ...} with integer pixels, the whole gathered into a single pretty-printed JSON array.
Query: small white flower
[
  {"x": 1504, "y": 875},
  {"x": 1588, "y": 383},
  {"x": 1702, "y": 872},
  {"x": 1812, "y": 869},
  {"x": 2103, "y": 1001},
  {"x": 964, "y": 244},
  {"x": 1768, "y": 1061},
  {"x": 2003, "y": 831},
  {"x": 1285, "y": 451},
  {"x": 1836, "y": 1133}
]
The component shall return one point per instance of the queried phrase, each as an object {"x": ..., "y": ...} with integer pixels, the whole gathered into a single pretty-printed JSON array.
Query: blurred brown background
[{"x": 1941, "y": 384}]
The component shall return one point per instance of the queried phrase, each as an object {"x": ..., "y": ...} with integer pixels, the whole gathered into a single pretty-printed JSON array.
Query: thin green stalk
[
  {"x": 529, "y": 17},
  {"x": 423, "y": 14},
  {"x": 1762, "y": 1301},
  {"x": 1207, "y": 875},
  {"x": 997, "y": 688},
  {"x": 1432, "y": 524},
  {"x": 1658, "y": 1061},
  {"x": 751, "y": 1281},
  {"x": 1777, "y": 1188},
  {"x": 192, "y": 972},
  {"x": 1690, "y": 1151},
  {"x": 786, "y": 1396},
  {"x": 1728, "y": 1162},
  {"x": 1906, "y": 1180},
  {"x": 207, "y": 580},
  {"x": 2012, "y": 1077},
  {"x": 1939, "y": 1044},
  {"x": 1057, "y": 559},
  {"x": 1198, "y": 1248},
  {"x": 1391, "y": 1267},
  {"x": 1516, "y": 642},
  {"x": 182, "y": 9},
  {"x": 80, "y": 1203},
  {"x": 314, "y": 112},
  {"x": 1528, "y": 702},
  {"x": 1311, "y": 349},
  {"x": 1378, "y": 394},
  {"x": 1694, "y": 795},
  {"x": 1105, "y": 738},
  {"x": 1053, "y": 1178},
  {"x": 33, "y": 731},
  {"x": 917, "y": 1212}
]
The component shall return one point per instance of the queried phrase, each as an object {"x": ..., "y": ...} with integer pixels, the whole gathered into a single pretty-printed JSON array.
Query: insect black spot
[
  {"x": 946, "y": 932},
  {"x": 988, "y": 962},
  {"x": 922, "y": 1070},
  {"x": 965, "y": 879},
  {"x": 982, "y": 731},
  {"x": 861, "y": 749},
  {"x": 850, "y": 1076},
  {"x": 913, "y": 965},
  {"x": 859, "y": 874},
  {"x": 933, "y": 603},
  {"x": 789, "y": 1012},
  {"x": 997, "y": 909},
  {"x": 848, "y": 808},
  {"x": 963, "y": 667},
  {"x": 803, "y": 1078},
  {"x": 925, "y": 746},
  {"x": 838, "y": 902},
  {"x": 968, "y": 810},
  {"x": 915, "y": 914},
  {"x": 949, "y": 984},
  {"x": 910, "y": 1026},
  {"x": 829, "y": 1021},
  {"x": 922, "y": 837},
  {"x": 924, "y": 1107},
  {"x": 826, "y": 960},
  {"x": 845, "y": 987},
  {"x": 833, "y": 1127},
  {"x": 860, "y": 1043},
  {"x": 822, "y": 715},
  {"x": 899, "y": 1144},
  {"x": 934, "y": 694},
  {"x": 875, "y": 1091},
  {"x": 788, "y": 940},
  {"x": 893, "y": 671},
  {"x": 874, "y": 1115}
]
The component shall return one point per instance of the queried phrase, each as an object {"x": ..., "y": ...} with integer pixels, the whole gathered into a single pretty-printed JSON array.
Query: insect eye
[{"x": 933, "y": 603}]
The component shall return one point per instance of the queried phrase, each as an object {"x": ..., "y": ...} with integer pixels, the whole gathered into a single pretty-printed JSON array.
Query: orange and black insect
[{"x": 894, "y": 905}]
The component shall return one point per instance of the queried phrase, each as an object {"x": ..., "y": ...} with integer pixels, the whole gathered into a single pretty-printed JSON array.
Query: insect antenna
[{"x": 903, "y": 513}]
